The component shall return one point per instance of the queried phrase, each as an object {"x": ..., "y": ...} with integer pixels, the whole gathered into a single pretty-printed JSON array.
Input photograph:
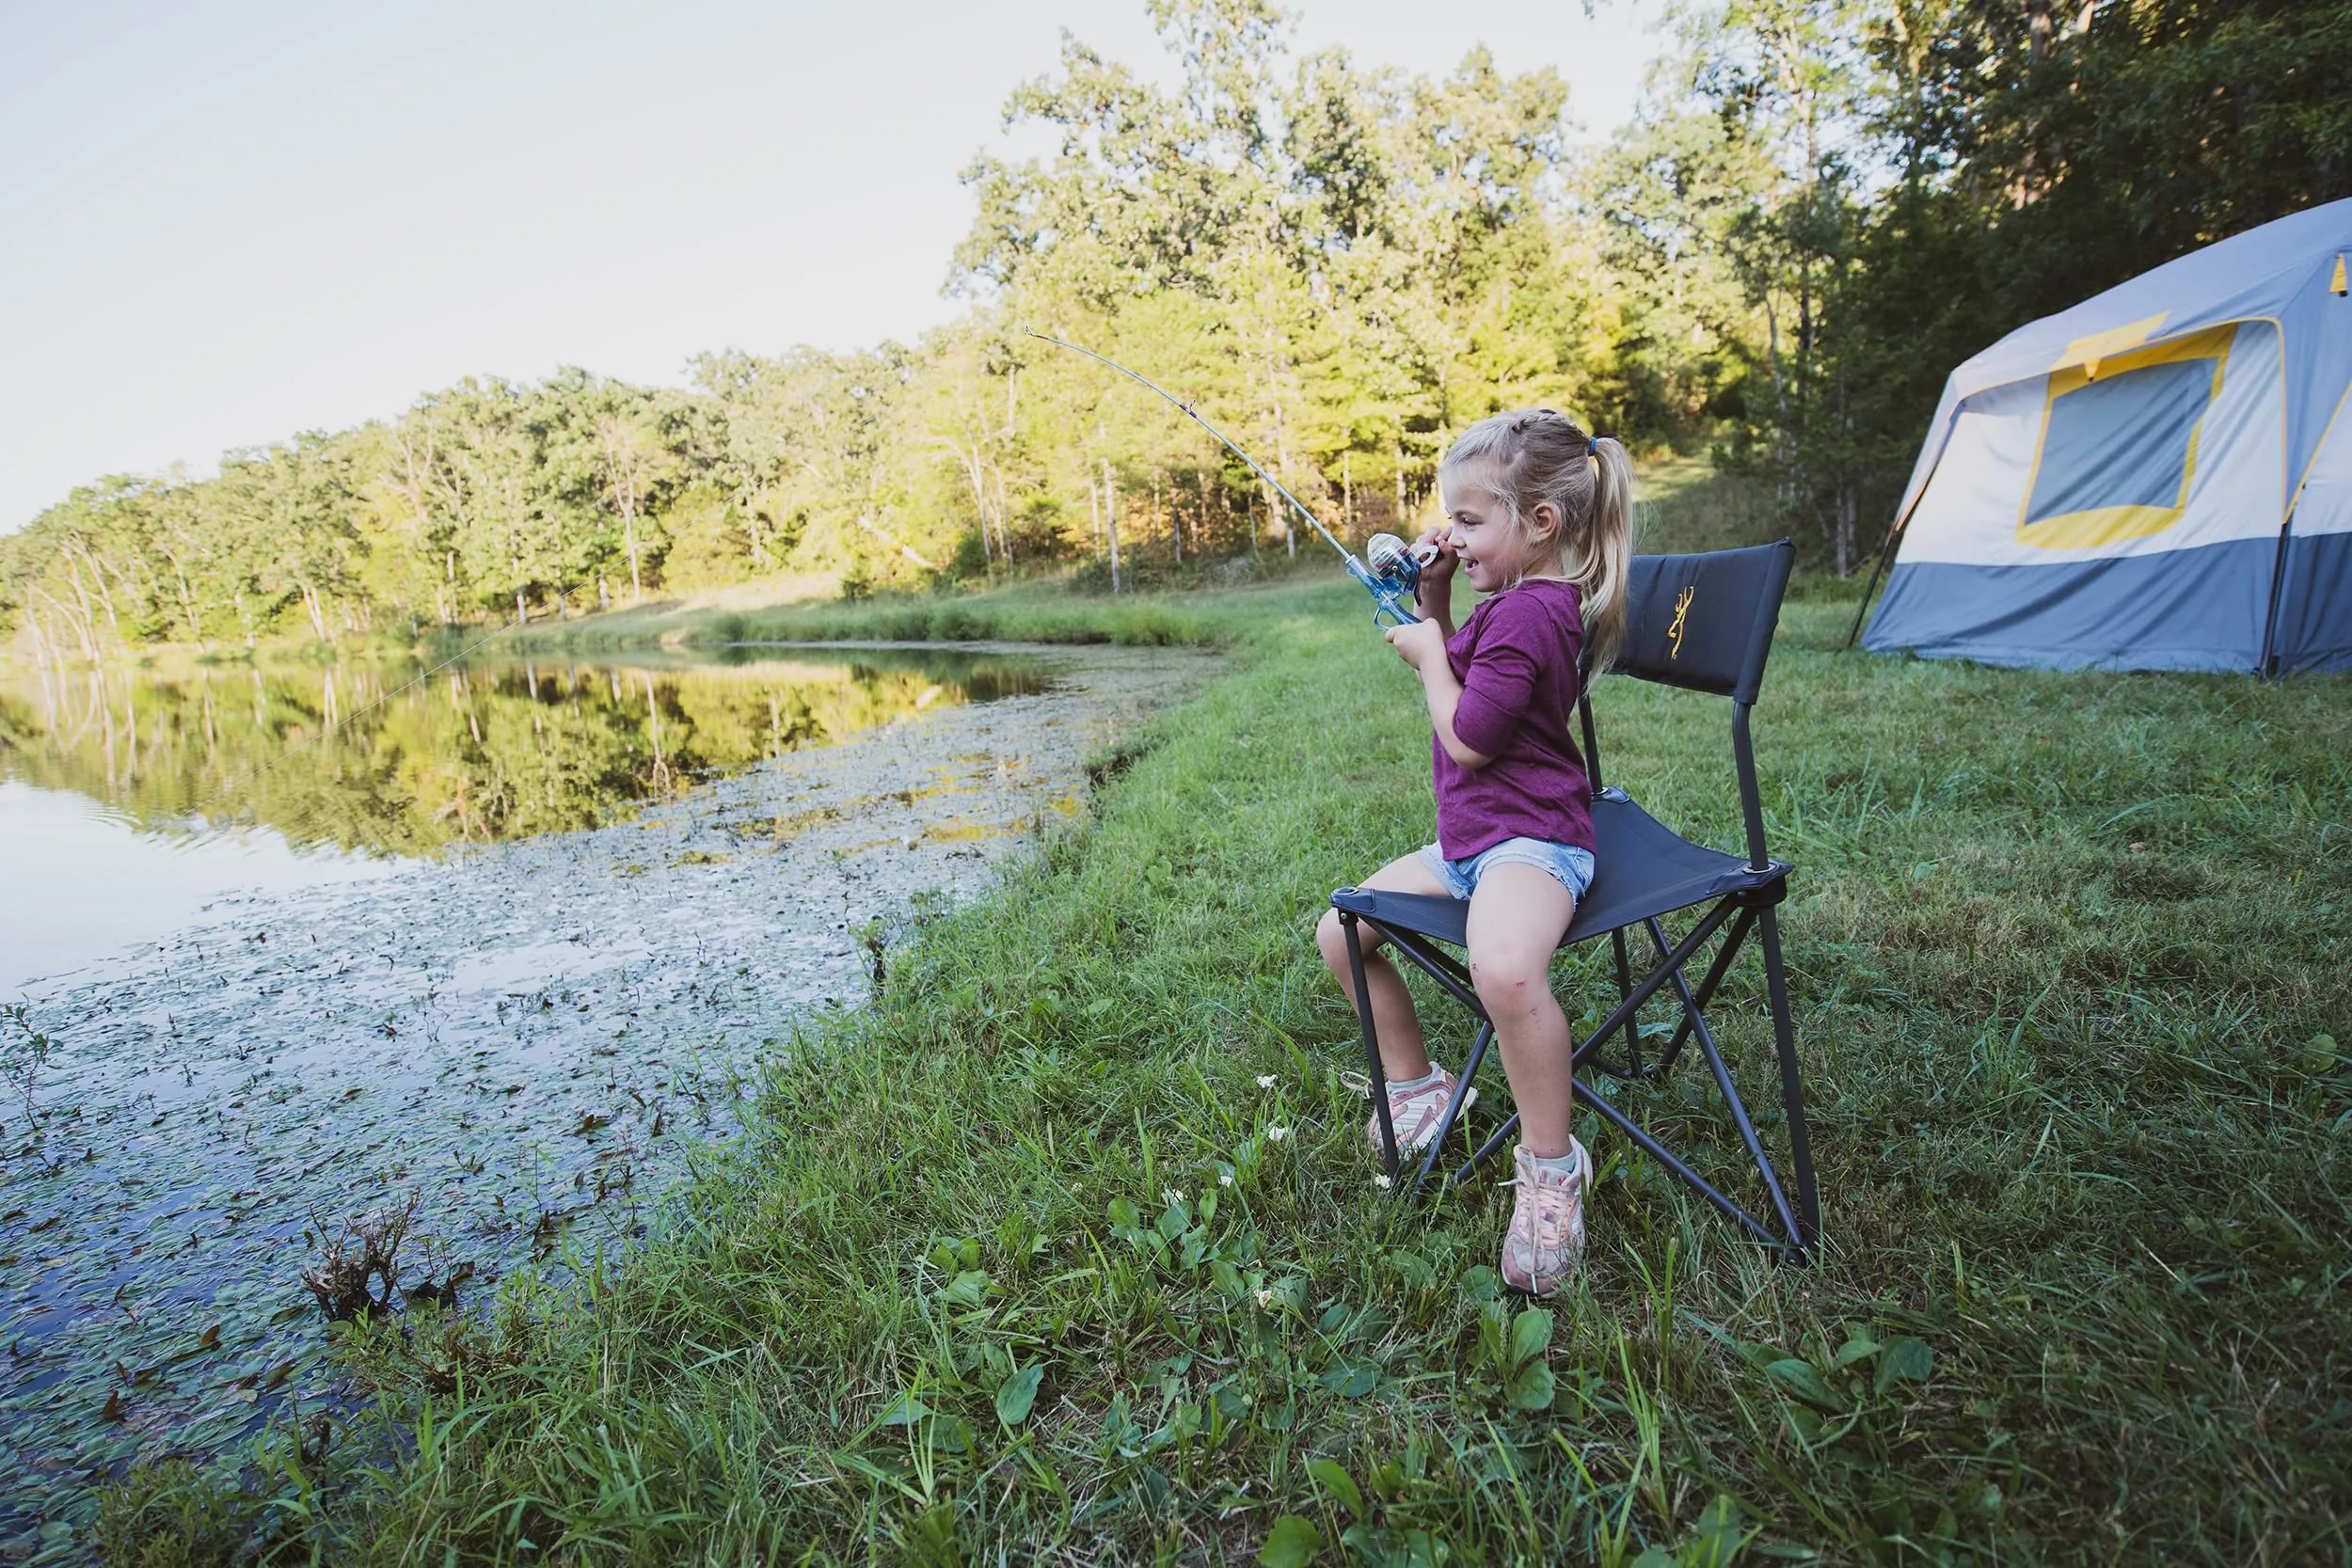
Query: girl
[{"x": 1540, "y": 518}]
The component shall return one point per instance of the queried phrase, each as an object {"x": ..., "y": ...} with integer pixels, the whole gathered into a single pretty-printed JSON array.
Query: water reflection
[{"x": 354, "y": 756}]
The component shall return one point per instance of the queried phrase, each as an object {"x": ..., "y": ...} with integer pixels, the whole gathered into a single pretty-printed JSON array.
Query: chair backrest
[{"x": 1704, "y": 622}]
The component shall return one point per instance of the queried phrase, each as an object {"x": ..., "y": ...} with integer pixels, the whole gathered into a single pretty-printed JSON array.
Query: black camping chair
[{"x": 1703, "y": 623}]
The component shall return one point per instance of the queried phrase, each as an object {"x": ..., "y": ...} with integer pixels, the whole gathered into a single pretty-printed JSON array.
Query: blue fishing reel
[{"x": 1393, "y": 575}]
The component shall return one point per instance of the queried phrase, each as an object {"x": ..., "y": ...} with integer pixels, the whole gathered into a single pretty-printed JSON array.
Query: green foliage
[
  {"x": 2059, "y": 946},
  {"x": 362, "y": 754},
  {"x": 171, "y": 1516},
  {"x": 1823, "y": 208}
]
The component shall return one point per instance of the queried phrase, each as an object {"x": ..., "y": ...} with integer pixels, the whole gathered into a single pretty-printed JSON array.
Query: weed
[
  {"x": 358, "y": 1272},
  {"x": 171, "y": 1516}
]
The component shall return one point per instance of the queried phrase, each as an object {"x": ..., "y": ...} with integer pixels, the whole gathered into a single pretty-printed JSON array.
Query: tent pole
[
  {"x": 1886, "y": 548},
  {"x": 2269, "y": 666}
]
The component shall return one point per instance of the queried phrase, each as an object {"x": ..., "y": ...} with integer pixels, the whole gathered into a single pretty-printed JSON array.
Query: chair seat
[{"x": 1643, "y": 869}]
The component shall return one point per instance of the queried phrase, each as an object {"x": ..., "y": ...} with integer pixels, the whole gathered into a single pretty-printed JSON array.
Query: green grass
[
  {"x": 1041, "y": 613},
  {"x": 2065, "y": 949}
]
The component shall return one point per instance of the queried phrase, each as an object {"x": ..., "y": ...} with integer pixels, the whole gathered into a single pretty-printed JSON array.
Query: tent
[{"x": 2157, "y": 478}]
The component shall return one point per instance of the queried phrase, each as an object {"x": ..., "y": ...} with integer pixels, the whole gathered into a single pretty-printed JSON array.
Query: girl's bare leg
[
  {"x": 1517, "y": 918},
  {"x": 1404, "y": 1054}
]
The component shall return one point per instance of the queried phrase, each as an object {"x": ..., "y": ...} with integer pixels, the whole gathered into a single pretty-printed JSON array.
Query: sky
[{"x": 221, "y": 224}]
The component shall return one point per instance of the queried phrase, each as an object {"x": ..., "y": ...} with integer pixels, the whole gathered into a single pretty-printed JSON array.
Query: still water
[
  {"x": 130, "y": 800},
  {"x": 495, "y": 952}
]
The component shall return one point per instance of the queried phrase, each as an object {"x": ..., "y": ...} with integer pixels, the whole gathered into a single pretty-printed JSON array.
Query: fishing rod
[{"x": 1395, "y": 573}]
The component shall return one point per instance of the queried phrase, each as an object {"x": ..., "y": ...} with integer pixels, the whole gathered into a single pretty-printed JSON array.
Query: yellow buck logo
[{"x": 1682, "y": 611}]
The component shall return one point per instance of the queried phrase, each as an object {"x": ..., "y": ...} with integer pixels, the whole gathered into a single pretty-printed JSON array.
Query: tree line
[{"x": 1823, "y": 206}]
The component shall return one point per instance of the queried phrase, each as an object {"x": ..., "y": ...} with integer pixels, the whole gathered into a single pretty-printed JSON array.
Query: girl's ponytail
[{"x": 1608, "y": 562}]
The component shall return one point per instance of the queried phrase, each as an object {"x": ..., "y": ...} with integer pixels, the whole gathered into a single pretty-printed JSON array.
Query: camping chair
[{"x": 1703, "y": 623}]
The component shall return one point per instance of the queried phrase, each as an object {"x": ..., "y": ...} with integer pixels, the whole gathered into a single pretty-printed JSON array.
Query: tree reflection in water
[{"x": 494, "y": 748}]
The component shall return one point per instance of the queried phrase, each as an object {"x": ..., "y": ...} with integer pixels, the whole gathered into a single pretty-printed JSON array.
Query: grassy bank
[
  {"x": 1069, "y": 1247},
  {"x": 1685, "y": 506}
]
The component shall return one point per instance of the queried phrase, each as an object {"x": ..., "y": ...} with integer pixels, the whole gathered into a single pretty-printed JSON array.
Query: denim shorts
[{"x": 1572, "y": 865}]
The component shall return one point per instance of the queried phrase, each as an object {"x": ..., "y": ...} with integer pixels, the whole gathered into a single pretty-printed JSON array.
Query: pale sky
[{"x": 222, "y": 223}]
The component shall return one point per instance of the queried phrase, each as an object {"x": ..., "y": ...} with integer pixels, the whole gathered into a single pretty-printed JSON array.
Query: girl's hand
[
  {"x": 1440, "y": 571},
  {"x": 1419, "y": 641}
]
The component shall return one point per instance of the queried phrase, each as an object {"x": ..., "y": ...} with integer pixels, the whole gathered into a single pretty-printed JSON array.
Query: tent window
[{"x": 2119, "y": 444}]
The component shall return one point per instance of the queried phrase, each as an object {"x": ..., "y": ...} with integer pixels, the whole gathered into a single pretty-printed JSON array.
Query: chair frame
[{"x": 1750, "y": 909}]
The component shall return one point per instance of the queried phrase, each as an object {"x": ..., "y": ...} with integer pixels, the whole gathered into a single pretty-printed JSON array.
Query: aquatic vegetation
[{"x": 383, "y": 1101}]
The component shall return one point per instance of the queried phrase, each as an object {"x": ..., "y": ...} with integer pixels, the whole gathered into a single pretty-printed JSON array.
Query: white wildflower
[
  {"x": 1172, "y": 1194},
  {"x": 1382, "y": 1182},
  {"x": 1266, "y": 1080},
  {"x": 1275, "y": 1134},
  {"x": 1225, "y": 1180},
  {"x": 1265, "y": 1298}
]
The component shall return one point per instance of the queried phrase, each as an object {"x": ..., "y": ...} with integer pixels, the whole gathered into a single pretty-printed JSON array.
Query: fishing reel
[{"x": 1392, "y": 572}]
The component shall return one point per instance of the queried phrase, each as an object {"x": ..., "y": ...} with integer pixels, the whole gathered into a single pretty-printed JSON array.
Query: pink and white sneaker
[
  {"x": 1545, "y": 1242},
  {"x": 1415, "y": 1113}
]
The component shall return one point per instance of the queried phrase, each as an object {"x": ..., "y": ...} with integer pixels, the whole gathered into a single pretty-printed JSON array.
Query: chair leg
[
  {"x": 1642, "y": 1138},
  {"x": 1792, "y": 1086},
  {"x": 1697, "y": 1021},
  {"x": 1715, "y": 972},
  {"x": 1453, "y": 1103},
  {"x": 1371, "y": 1043},
  {"x": 1633, "y": 1021}
]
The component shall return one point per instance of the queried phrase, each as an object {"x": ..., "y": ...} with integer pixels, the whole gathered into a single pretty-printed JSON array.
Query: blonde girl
[{"x": 1539, "y": 518}]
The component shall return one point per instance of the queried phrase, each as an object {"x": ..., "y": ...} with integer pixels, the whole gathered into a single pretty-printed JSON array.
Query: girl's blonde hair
[{"x": 1533, "y": 456}]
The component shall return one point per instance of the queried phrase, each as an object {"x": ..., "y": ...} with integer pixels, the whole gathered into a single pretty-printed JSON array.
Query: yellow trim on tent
[
  {"x": 2115, "y": 339},
  {"x": 2106, "y": 525}
]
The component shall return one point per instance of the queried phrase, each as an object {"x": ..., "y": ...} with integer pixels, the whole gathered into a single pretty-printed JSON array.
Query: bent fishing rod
[{"x": 1394, "y": 573}]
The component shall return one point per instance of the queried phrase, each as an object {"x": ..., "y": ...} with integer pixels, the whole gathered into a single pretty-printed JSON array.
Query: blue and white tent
[{"x": 2157, "y": 478}]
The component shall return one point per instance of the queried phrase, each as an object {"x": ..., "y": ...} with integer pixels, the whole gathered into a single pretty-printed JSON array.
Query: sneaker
[
  {"x": 1545, "y": 1242},
  {"x": 1415, "y": 1113}
]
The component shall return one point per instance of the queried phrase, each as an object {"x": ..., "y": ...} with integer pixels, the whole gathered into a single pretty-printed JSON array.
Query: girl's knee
[
  {"x": 1511, "y": 979},
  {"x": 1331, "y": 939}
]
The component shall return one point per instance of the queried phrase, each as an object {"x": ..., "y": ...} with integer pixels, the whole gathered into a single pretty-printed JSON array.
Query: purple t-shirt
[{"x": 1515, "y": 659}]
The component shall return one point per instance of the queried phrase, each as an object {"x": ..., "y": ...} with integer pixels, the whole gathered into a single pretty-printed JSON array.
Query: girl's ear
[{"x": 1544, "y": 521}]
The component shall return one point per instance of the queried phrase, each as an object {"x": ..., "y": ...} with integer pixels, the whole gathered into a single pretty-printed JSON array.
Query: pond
[
  {"x": 131, "y": 799},
  {"x": 319, "y": 951}
]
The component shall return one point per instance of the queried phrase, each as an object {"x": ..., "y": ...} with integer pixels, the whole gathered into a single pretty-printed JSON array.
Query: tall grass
[{"x": 1070, "y": 1249}]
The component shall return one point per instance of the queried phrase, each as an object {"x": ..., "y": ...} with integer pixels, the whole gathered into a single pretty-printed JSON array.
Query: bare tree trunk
[
  {"x": 318, "y": 619},
  {"x": 1004, "y": 520},
  {"x": 1110, "y": 519}
]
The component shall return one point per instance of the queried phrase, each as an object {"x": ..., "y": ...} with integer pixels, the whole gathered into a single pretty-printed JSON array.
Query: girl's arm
[
  {"x": 1422, "y": 644},
  {"x": 1444, "y": 695}
]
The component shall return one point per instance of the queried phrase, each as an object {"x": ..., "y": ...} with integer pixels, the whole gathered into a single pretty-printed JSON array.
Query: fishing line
[{"x": 1387, "y": 589}]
